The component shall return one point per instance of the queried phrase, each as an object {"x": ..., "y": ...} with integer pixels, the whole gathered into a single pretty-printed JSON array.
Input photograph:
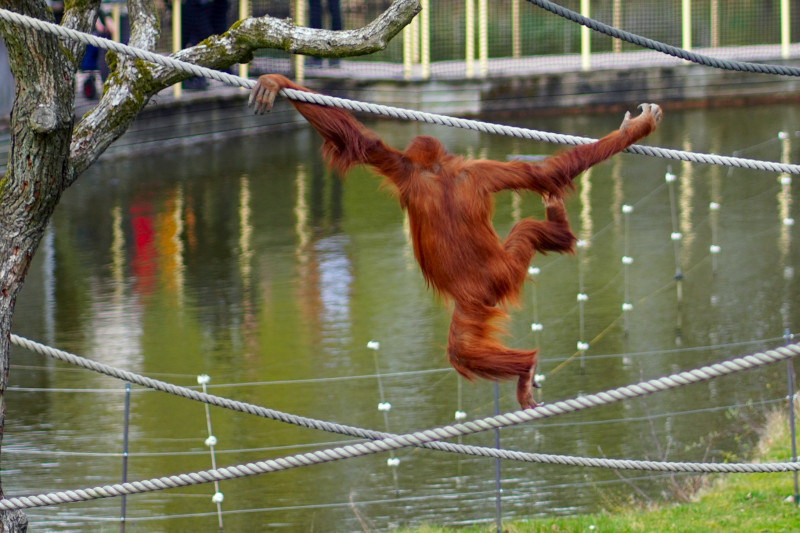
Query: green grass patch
[{"x": 728, "y": 502}]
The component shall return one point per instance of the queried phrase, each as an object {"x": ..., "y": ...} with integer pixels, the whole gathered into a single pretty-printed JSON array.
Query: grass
[{"x": 730, "y": 502}]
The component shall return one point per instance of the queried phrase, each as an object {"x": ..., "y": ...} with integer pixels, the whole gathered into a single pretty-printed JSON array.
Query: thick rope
[
  {"x": 430, "y": 436},
  {"x": 674, "y": 51},
  {"x": 323, "y": 456},
  {"x": 389, "y": 111}
]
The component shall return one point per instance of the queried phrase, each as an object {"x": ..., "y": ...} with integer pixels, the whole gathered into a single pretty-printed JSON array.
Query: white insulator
[
  {"x": 582, "y": 297},
  {"x": 714, "y": 299},
  {"x": 218, "y": 497},
  {"x": 581, "y": 243},
  {"x": 211, "y": 441},
  {"x": 788, "y": 272},
  {"x": 627, "y": 260},
  {"x": 714, "y": 248},
  {"x": 384, "y": 406},
  {"x": 627, "y": 209},
  {"x": 533, "y": 271},
  {"x": 783, "y": 135},
  {"x": 583, "y": 346},
  {"x": 713, "y": 206},
  {"x": 203, "y": 379},
  {"x": 627, "y": 306},
  {"x": 374, "y": 345},
  {"x": 393, "y": 461},
  {"x": 460, "y": 415},
  {"x": 539, "y": 378},
  {"x": 670, "y": 177},
  {"x": 788, "y": 222},
  {"x": 786, "y": 180},
  {"x": 537, "y": 326},
  {"x": 675, "y": 236}
]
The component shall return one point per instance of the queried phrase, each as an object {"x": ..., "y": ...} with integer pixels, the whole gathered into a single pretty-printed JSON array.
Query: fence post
[
  {"x": 790, "y": 382},
  {"x": 497, "y": 485},
  {"x": 425, "y": 39},
  {"x": 125, "y": 453},
  {"x": 408, "y": 56},
  {"x": 714, "y": 24},
  {"x": 211, "y": 441},
  {"x": 516, "y": 38},
  {"x": 686, "y": 18},
  {"x": 116, "y": 17},
  {"x": 299, "y": 60},
  {"x": 244, "y": 12},
  {"x": 384, "y": 407},
  {"x": 469, "y": 34},
  {"x": 177, "y": 89},
  {"x": 786, "y": 35},
  {"x": 616, "y": 17},
  {"x": 483, "y": 36},
  {"x": 586, "y": 37}
]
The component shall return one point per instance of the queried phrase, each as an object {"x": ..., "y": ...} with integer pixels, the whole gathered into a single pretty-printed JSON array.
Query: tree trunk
[{"x": 41, "y": 129}]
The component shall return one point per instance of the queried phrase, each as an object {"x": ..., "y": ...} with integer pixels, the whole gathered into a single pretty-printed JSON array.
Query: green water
[{"x": 245, "y": 260}]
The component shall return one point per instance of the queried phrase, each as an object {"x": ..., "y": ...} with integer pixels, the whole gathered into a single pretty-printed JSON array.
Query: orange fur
[{"x": 449, "y": 204}]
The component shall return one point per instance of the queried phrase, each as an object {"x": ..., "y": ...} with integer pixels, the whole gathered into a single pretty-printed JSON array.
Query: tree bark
[{"x": 49, "y": 152}]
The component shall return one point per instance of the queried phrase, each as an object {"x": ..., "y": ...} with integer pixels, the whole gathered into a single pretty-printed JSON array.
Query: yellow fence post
[
  {"x": 483, "y": 37},
  {"x": 177, "y": 89},
  {"x": 116, "y": 33},
  {"x": 516, "y": 38},
  {"x": 408, "y": 52},
  {"x": 586, "y": 37},
  {"x": 714, "y": 23},
  {"x": 786, "y": 35},
  {"x": 470, "y": 36},
  {"x": 300, "y": 60},
  {"x": 425, "y": 38},
  {"x": 686, "y": 18},
  {"x": 244, "y": 12}
]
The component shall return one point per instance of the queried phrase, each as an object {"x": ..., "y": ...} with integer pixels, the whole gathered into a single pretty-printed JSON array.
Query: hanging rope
[
  {"x": 388, "y": 111},
  {"x": 700, "y": 59}
]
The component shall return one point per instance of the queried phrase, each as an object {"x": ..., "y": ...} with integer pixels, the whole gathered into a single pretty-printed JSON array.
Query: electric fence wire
[{"x": 389, "y": 111}]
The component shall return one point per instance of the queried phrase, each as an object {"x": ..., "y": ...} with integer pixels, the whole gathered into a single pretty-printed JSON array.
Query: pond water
[{"x": 247, "y": 261}]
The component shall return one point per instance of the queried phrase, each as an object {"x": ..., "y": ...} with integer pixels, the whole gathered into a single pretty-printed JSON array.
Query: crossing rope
[
  {"x": 389, "y": 111},
  {"x": 427, "y": 438}
]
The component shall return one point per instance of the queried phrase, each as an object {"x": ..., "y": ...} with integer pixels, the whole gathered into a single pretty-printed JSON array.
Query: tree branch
[
  {"x": 134, "y": 82},
  {"x": 145, "y": 26}
]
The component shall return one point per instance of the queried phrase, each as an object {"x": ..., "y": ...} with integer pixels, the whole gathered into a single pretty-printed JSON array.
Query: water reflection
[
  {"x": 334, "y": 281},
  {"x": 249, "y": 261}
]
